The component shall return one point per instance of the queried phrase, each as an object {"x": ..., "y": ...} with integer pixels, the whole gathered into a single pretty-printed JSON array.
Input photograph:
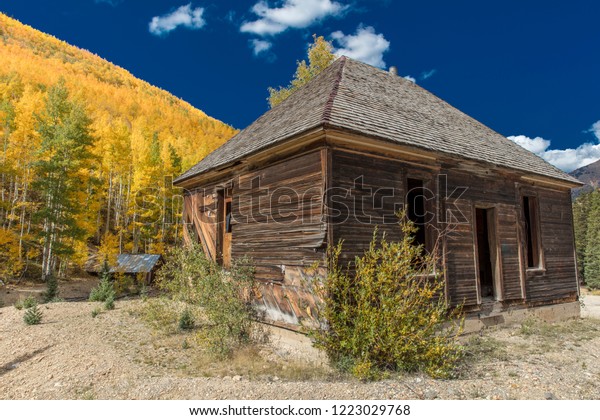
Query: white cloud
[
  {"x": 568, "y": 159},
  {"x": 412, "y": 79},
  {"x": 291, "y": 14},
  {"x": 365, "y": 45},
  {"x": 596, "y": 129},
  {"x": 260, "y": 46},
  {"x": 427, "y": 74},
  {"x": 536, "y": 145},
  {"x": 184, "y": 16}
]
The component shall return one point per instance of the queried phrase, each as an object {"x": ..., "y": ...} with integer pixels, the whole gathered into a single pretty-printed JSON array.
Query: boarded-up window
[{"x": 532, "y": 231}]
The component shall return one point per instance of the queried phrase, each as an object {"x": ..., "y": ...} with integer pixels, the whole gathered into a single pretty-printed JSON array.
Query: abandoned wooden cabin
[{"x": 348, "y": 150}]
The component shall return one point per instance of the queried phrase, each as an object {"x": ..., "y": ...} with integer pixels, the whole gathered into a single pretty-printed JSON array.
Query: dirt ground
[
  {"x": 116, "y": 355},
  {"x": 591, "y": 305},
  {"x": 76, "y": 289}
]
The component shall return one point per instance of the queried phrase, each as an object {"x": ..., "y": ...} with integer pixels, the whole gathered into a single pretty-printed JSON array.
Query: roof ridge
[{"x": 334, "y": 91}]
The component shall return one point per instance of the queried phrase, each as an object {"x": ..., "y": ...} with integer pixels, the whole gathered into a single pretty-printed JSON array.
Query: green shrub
[
  {"x": 186, "y": 320},
  {"x": 96, "y": 311},
  {"x": 109, "y": 303},
  {"x": 389, "y": 313},
  {"x": 161, "y": 314},
  {"x": 32, "y": 316},
  {"x": 51, "y": 293},
  {"x": 29, "y": 302},
  {"x": 226, "y": 297},
  {"x": 105, "y": 291},
  {"x": 26, "y": 303},
  {"x": 102, "y": 292}
]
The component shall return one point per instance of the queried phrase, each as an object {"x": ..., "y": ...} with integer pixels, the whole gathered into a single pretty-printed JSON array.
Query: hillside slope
[
  {"x": 139, "y": 136},
  {"x": 588, "y": 174},
  {"x": 110, "y": 92}
]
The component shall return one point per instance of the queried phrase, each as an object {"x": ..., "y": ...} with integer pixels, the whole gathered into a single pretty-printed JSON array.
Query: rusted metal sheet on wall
[{"x": 292, "y": 302}]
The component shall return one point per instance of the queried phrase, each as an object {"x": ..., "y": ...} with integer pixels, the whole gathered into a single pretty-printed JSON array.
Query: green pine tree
[
  {"x": 105, "y": 291},
  {"x": 63, "y": 160},
  {"x": 581, "y": 210},
  {"x": 592, "y": 248},
  {"x": 175, "y": 160},
  {"x": 33, "y": 316},
  {"x": 154, "y": 155},
  {"x": 51, "y": 293}
]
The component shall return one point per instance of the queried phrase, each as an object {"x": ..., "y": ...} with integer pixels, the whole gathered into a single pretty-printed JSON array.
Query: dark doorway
[
  {"x": 486, "y": 252},
  {"x": 224, "y": 227}
]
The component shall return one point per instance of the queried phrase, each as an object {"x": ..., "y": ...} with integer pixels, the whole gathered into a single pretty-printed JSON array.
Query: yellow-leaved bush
[{"x": 388, "y": 312}]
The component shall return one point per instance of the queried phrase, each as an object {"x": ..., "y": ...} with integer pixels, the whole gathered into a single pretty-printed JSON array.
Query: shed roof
[
  {"x": 136, "y": 263},
  {"x": 356, "y": 97}
]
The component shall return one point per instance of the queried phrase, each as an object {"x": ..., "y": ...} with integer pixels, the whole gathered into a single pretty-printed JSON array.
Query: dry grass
[
  {"x": 163, "y": 314},
  {"x": 574, "y": 330},
  {"x": 185, "y": 352},
  {"x": 254, "y": 362},
  {"x": 485, "y": 348},
  {"x": 507, "y": 346}
]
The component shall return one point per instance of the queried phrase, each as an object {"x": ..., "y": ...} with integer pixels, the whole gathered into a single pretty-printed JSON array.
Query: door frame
[{"x": 495, "y": 250}]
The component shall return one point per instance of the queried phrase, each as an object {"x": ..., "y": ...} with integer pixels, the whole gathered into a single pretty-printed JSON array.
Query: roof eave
[
  {"x": 299, "y": 140},
  {"x": 429, "y": 154}
]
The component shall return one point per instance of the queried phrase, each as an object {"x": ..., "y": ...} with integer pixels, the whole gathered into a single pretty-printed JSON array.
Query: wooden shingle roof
[{"x": 353, "y": 96}]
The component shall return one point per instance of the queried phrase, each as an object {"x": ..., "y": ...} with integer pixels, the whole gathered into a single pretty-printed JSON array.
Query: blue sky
[{"x": 528, "y": 69}]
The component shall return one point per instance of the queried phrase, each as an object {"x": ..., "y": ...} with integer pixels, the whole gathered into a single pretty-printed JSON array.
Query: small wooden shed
[
  {"x": 138, "y": 265},
  {"x": 348, "y": 150}
]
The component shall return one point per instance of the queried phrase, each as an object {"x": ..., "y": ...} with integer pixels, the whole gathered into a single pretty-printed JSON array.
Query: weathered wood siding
[
  {"x": 283, "y": 218},
  {"x": 200, "y": 217},
  {"x": 356, "y": 176},
  {"x": 367, "y": 192},
  {"x": 504, "y": 194},
  {"x": 507, "y": 231},
  {"x": 461, "y": 279},
  {"x": 279, "y": 223},
  {"x": 557, "y": 279},
  {"x": 278, "y": 213}
]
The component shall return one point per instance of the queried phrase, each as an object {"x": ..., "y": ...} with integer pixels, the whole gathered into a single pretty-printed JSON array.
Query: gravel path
[{"x": 115, "y": 355}]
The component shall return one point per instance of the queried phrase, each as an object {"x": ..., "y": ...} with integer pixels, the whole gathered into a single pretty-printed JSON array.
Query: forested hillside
[
  {"x": 87, "y": 152},
  {"x": 586, "y": 214}
]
